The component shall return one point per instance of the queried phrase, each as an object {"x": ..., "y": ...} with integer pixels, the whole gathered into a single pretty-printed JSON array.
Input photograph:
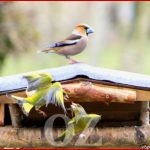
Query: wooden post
[
  {"x": 15, "y": 115},
  {"x": 2, "y": 114},
  {"x": 144, "y": 113}
]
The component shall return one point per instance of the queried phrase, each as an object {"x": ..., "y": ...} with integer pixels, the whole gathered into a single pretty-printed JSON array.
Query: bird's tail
[
  {"x": 46, "y": 50},
  {"x": 26, "y": 107},
  {"x": 16, "y": 98}
]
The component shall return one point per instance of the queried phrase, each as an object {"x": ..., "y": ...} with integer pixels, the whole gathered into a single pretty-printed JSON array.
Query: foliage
[
  {"x": 17, "y": 33},
  {"x": 120, "y": 41}
]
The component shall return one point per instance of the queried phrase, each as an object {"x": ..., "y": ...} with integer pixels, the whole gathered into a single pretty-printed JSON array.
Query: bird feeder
[{"x": 121, "y": 98}]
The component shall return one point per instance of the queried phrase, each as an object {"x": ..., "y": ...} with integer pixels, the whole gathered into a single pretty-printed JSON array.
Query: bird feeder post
[
  {"x": 2, "y": 112},
  {"x": 144, "y": 117},
  {"x": 15, "y": 115}
]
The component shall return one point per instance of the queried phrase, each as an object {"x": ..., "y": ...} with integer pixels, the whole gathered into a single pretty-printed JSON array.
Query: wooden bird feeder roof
[
  {"x": 107, "y": 76},
  {"x": 111, "y": 85}
]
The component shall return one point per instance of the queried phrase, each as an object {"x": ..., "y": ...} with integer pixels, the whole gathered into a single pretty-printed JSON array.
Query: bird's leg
[
  {"x": 66, "y": 98},
  {"x": 71, "y": 61},
  {"x": 42, "y": 113}
]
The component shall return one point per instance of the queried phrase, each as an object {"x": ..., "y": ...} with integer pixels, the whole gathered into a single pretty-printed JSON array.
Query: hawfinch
[{"x": 72, "y": 45}]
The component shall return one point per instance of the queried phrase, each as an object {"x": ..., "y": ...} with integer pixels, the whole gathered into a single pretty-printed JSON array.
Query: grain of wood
[
  {"x": 99, "y": 137},
  {"x": 15, "y": 115},
  {"x": 144, "y": 117},
  {"x": 2, "y": 114},
  {"x": 88, "y": 91}
]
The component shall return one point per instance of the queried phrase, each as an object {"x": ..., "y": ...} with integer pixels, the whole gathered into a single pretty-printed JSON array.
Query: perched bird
[
  {"x": 72, "y": 45},
  {"x": 79, "y": 122},
  {"x": 40, "y": 91}
]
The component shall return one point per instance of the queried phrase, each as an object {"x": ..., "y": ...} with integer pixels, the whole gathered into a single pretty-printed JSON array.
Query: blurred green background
[{"x": 121, "y": 38}]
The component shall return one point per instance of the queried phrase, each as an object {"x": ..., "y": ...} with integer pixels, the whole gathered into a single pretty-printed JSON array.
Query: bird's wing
[
  {"x": 70, "y": 131},
  {"x": 64, "y": 43},
  {"x": 26, "y": 107},
  {"x": 49, "y": 97},
  {"x": 34, "y": 85},
  {"x": 88, "y": 120},
  {"x": 71, "y": 40},
  {"x": 33, "y": 82},
  {"x": 72, "y": 121},
  {"x": 37, "y": 81},
  {"x": 55, "y": 96},
  {"x": 38, "y": 98},
  {"x": 60, "y": 99},
  {"x": 31, "y": 77}
]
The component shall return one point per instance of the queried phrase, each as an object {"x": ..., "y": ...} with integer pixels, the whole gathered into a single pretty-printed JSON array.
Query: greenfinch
[
  {"x": 79, "y": 122},
  {"x": 40, "y": 91}
]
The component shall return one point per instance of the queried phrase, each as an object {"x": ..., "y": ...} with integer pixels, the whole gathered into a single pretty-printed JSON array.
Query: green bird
[
  {"x": 36, "y": 81},
  {"x": 79, "y": 122},
  {"x": 40, "y": 91}
]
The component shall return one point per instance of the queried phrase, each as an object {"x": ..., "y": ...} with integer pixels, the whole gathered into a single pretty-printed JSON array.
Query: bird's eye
[{"x": 85, "y": 28}]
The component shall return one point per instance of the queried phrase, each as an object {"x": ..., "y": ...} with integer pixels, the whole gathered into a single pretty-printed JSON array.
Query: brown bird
[{"x": 72, "y": 45}]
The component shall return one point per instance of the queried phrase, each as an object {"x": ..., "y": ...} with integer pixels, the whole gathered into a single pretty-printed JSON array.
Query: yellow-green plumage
[
  {"x": 40, "y": 91},
  {"x": 36, "y": 81},
  {"x": 28, "y": 103},
  {"x": 58, "y": 96},
  {"x": 26, "y": 108},
  {"x": 79, "y": 122}
]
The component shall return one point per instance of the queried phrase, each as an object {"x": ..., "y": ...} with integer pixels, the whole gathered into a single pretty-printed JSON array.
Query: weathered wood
[
  {"x": 2, "y": 114},
  {"x": 90, "y": 91},
  {"x": 100, "y": 137},
  {"x": 5, "y": 100},
  {"x": 15, "y": 115},
  {"x": 82, "y": 89},
  {"x": 144, "y": 117}
]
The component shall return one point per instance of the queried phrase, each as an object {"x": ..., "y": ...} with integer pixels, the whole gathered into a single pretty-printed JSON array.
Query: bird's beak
[
  {"x": 98, "y": 117},
  {"x": 90, "y": 30}
]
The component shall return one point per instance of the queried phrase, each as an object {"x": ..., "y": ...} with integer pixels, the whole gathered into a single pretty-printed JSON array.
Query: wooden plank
[
  {"x": 2, "y": 114},
  {"x": 88, "y": 91},
  {"x": 100, "y": 137},
  {"x": 85, "y": 91}
]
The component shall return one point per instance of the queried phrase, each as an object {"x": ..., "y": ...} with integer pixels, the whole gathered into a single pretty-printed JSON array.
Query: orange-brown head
[{"x": 83, "y": 30}]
